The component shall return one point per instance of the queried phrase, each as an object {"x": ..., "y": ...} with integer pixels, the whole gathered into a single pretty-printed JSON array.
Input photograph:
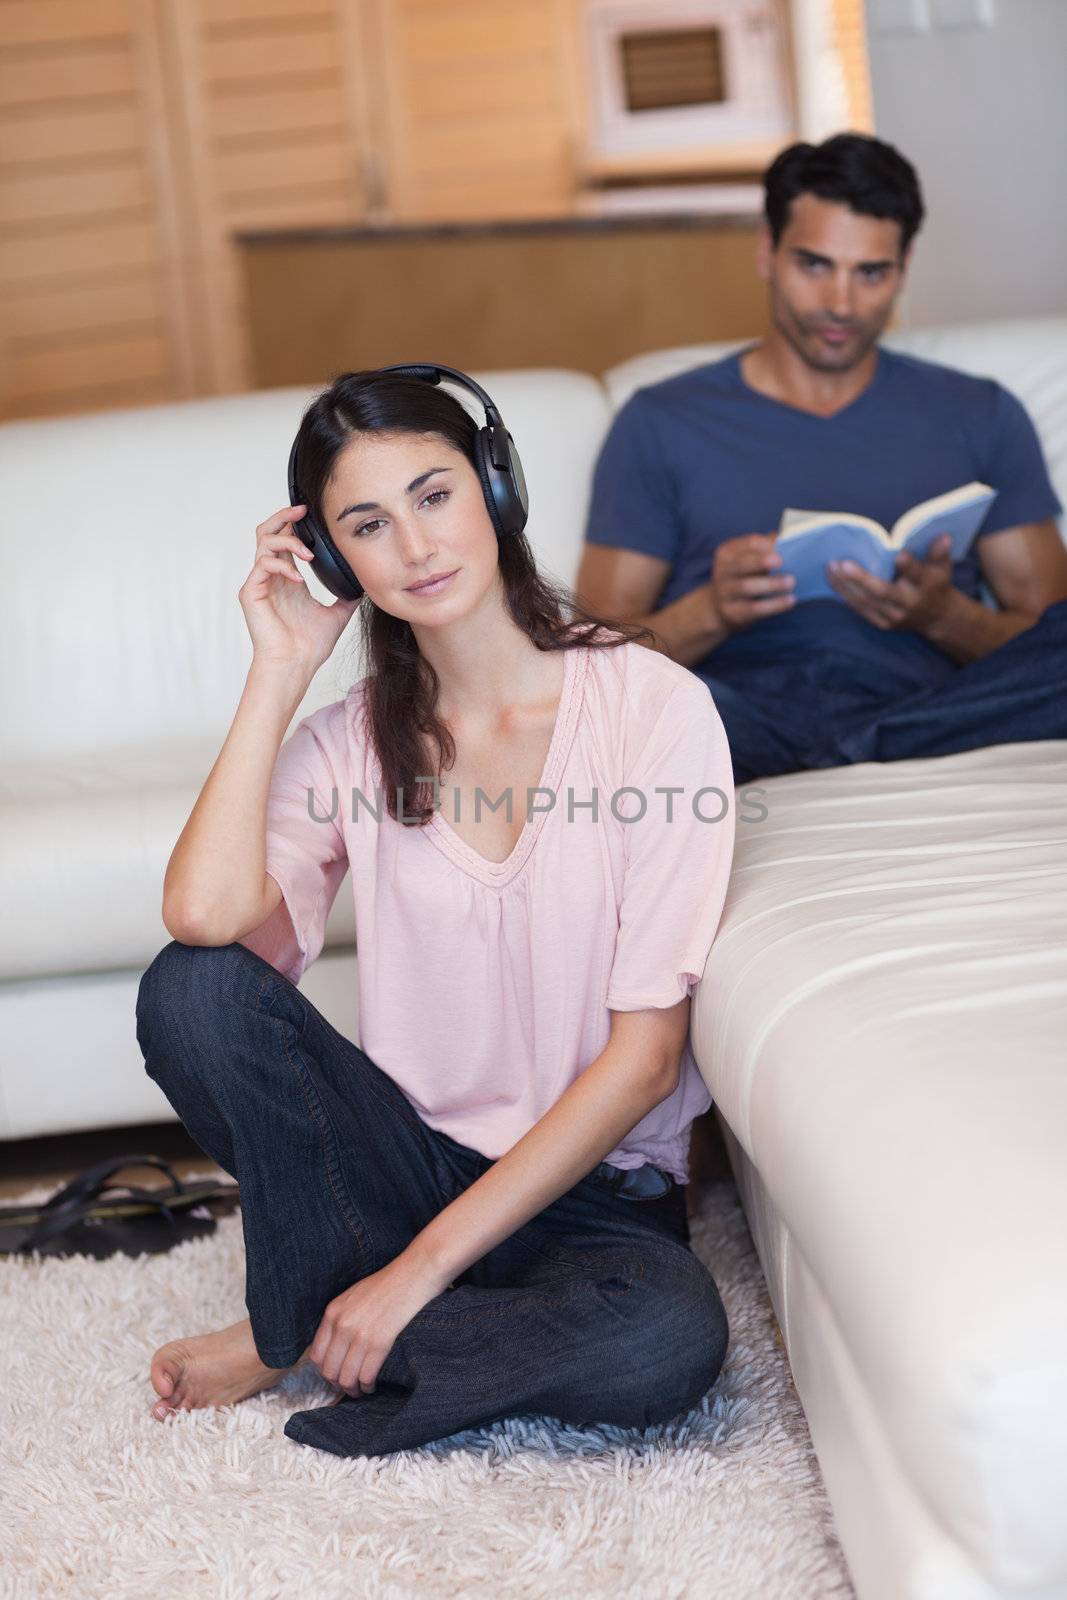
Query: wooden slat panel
[
  {"x": 95, "y": 298},
  {"x": 480, "y": 109},
  {"x": 65, "y": 254},
  {"x": 250, "y": 115},
  {"x": 49, "y": 196},
  {"x": 673, "y": 67},
  {"x": 467, "y": 90},
  {"x": 518, "y": 192},
  {"x": 27, "y": 22},
  {"x": 487, "y": 12},
  {"x": 326, "y": 205},
  {"x": 38, "y": 314},
  {"x": 56, "y": 368},
  {"x": 465, "y": 37},
  {"x": 176, "y": 231},
  {"x": 233, "y": 60},
  {"x": 77, "y": 74},
  {"x": 288, "y": 162},
  {"x": 70, "y": 134},
  {"x": 492, "y": 144},
  {"x": 220, "y": 14}
]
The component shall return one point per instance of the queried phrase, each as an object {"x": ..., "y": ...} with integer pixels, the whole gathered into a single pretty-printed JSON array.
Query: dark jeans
[
  {"x": 832, "y": 709},
  {"x": 595, "y": 1311}
]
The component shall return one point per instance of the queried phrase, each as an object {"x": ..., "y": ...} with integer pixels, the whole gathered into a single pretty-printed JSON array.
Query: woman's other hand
[
  {"x": 360, "y": 1326},
  {"x": 285, "y": 620}
]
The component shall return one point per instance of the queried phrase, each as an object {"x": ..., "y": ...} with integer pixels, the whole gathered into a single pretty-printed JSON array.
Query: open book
[{"x": 807, "y": 540}]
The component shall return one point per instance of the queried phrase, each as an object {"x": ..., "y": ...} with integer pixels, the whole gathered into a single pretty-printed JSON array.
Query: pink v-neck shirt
[{"x": 485, "y": 988}]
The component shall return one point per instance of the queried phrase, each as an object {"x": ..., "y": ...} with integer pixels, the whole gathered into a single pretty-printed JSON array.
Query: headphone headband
[{"x": 434, "y": 372}]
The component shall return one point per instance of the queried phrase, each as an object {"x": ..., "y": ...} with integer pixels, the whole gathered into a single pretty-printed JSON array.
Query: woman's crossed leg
[{"x": 591, "y": 1312}]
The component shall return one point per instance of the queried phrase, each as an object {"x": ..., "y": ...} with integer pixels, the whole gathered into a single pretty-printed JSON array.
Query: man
[{"x": 696, "y": 471}]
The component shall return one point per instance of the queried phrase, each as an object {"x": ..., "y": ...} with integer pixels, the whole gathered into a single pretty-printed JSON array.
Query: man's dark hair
[{"x": 865, "y": 174}]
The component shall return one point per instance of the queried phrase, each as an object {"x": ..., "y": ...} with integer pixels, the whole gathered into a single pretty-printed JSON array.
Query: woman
[{"x": 482, "y": 1213}]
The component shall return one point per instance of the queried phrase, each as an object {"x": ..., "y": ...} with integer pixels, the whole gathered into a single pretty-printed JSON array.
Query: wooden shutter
[
  {"x": 274, "y": 131},
  {"x": 480, "y": 107},
  {"x": 93, "y": 311},
  {"x": 136, "y": 136}
]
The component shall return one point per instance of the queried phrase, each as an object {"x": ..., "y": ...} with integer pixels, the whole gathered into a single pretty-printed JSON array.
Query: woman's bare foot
[{"x": 215, "y": 1369}]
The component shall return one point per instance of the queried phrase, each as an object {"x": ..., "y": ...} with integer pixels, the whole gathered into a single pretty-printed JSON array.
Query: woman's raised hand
[{"x": 285, "y": 620}]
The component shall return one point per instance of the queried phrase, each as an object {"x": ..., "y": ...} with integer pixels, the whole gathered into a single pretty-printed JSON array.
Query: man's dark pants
[{"x": 830, "y": 710}]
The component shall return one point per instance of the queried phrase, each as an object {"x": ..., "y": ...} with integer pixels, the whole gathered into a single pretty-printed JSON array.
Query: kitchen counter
[{"x": 581, "y": 290}]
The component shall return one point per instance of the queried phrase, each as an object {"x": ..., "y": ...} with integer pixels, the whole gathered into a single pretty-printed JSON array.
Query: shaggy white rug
[{"x": 99, "y": 1501}]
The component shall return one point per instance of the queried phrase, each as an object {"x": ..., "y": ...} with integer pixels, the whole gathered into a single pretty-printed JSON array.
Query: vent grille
[{"x": 675, "y": 67}]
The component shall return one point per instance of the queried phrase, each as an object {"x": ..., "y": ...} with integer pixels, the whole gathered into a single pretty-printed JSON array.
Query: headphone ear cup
[
  {"x": 486, "y": 471},
  {"x": 327, "y": 562},
  {"x": 504, "y": 489}
]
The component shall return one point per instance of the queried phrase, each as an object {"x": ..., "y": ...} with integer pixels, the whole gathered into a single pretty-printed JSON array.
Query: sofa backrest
[
  {"x": 1028, "y": 355},
  {"x": 132, "y": 531}
]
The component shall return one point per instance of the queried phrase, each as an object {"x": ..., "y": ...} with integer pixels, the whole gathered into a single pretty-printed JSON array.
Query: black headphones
[{"x": 495, "y": 458}]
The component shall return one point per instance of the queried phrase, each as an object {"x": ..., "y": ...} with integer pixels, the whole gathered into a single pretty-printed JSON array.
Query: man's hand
[
  {"x": 743, "y": 581},
  {"x": 916, "y": 600},
  {"x": 359, "y": 1327}
]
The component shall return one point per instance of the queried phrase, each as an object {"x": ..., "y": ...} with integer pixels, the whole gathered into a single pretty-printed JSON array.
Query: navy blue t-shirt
[{"x": 702, "y": 457}]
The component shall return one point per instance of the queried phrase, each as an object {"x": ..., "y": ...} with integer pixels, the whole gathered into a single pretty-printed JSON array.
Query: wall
[{"x": 982, "y": 112}]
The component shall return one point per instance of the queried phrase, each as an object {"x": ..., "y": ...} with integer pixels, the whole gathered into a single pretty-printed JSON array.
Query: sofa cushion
[{"x": 81, "y": 843}]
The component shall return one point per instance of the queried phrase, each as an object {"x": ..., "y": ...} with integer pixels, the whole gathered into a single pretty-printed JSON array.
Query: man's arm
[
  {"x": 626, "y": 584},
  {"x": 1026, "y": 568},
  {"x": 637, "y": 1069}
]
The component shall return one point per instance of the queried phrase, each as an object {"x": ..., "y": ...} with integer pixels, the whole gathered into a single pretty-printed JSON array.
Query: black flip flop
[{"x": 80, "y": 1219}]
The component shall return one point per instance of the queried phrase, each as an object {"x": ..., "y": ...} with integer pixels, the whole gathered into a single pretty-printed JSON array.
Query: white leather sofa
[{"x": 883, "y": 1019}]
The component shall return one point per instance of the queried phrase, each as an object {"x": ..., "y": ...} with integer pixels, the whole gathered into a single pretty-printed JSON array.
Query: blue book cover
[{"x": 807, "y": 540}]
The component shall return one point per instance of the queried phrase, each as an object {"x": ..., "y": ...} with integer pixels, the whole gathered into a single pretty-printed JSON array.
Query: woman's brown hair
[{"x": 401, "y": 694}]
